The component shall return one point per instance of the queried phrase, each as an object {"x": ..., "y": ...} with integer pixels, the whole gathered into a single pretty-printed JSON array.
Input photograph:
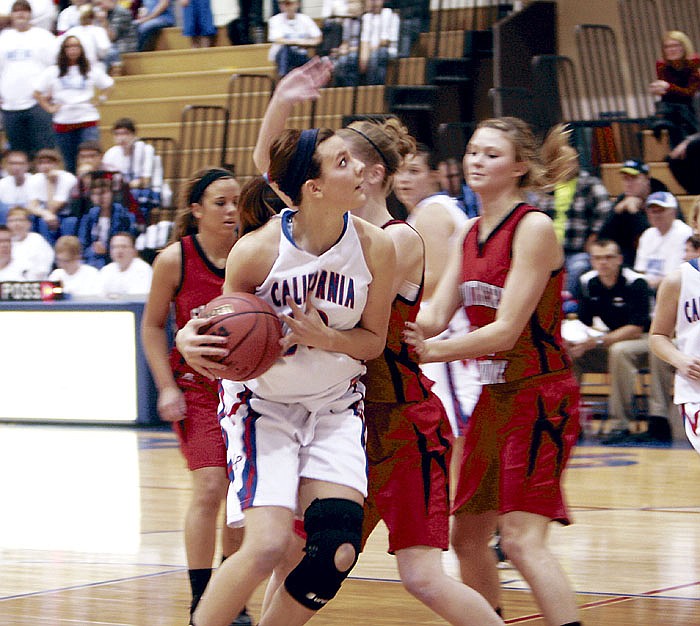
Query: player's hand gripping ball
[{"x": 252, "y": 330}]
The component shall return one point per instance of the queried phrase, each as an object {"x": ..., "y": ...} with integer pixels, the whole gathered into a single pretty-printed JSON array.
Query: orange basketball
[{"x": 252, "y": 330}]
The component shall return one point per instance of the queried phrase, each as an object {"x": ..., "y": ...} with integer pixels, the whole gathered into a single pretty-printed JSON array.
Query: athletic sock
[{"x": 199, "y": 579}]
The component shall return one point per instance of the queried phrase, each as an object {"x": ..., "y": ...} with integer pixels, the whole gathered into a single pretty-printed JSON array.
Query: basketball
[{"x": 252, "y": 330}]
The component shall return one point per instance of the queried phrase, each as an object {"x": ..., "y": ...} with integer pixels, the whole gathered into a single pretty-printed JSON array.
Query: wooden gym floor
[{"x": 91, "y": 534}]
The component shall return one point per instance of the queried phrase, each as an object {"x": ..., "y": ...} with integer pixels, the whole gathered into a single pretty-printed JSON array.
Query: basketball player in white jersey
[
  {"x": 439, "y": 220},
  {"x": 295, "y": 434},
  {"x": 678, "y": 312}
]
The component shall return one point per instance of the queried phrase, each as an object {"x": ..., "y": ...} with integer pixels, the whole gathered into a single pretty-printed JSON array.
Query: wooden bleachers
[
  {"x": 158, "y": 85},
  {"x": 654, "y": 151}
]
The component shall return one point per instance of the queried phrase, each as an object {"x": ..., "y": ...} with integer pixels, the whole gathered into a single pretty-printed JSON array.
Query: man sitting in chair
[{"x": 614, "y": 308}]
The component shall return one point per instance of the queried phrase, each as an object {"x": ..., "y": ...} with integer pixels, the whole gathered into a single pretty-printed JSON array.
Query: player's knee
[
  {"x": 334, "y": 529},
  {"x": 268, "y": 554},
  {"x": 209, "y": 495},
  {"x": 421, "y": 584}
]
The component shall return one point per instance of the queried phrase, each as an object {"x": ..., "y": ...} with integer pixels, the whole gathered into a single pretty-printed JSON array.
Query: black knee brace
[{"x": 329, "y": 523}]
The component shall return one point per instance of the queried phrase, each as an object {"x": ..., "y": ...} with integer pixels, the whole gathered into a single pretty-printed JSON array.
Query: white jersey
[
  {"x": 688, "y": 329},
  {"x": 336, "y": 284},
  {"x": 456, "y": 383}
]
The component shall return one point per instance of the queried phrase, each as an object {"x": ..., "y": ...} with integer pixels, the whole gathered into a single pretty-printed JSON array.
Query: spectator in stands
[
  {"x": 93, "y": 37},
  {"x": 77, "y": 278},
  {"x": 154, "y": 16},
  {"x": 89, "y": 167},
  {"x": 677, "y": 82},
  {"x": 67, "y": 90},
  {"x": 250, "y": 25},
  {"x": 25, "y": 52},
  {"x": 378, "y": 41},
  {"x": 661, "y": 246},
  {"x": 452, "y": 183},
  {"x": 127, "y": 274},
  {"x": 129, "y": 155},
  {"x": 101, "y": 222},
  {"x": 198, "y": 23},
  {"x": 579, "y": 207},
  {"x": 684, "y": 163},
  {"x": 69, "y": 17},
  {"x": 30, "y": 250},
  {"x": 628, "y": 220},
  {"x": 291, "y": 33},
  {"x": 344, "y": 51},
  {"x": 14, "y": 185},
  {"x": 9, "y": 269},
  {"x": 692, "y": 248},
  {"x": 415, "y": 19},
  {"x": 620, "y": 299},
  {"x": 137, "y": 163},
  {"x": 122, "y": 32},
  {"x": 49, "y": 192},
  {"x": 43, "y": 14}
]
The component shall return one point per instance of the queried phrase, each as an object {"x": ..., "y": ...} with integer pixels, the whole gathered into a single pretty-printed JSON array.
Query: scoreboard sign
[{"x": 31, "y": 290}]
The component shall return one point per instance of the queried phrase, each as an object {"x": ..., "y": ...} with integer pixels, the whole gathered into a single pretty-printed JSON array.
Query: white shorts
[
  {"x": 271, "y": 445},
  {"x": 456, "y": 383},
  {"x": 691, "y": 419}
]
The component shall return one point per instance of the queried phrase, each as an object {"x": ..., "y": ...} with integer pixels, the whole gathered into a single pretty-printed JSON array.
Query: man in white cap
[{"x": 662, "y": 245}]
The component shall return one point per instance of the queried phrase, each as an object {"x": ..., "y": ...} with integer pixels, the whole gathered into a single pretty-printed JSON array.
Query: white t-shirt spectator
[
  {"x": 382, "y": 26},
  {"x": 658, "y": 254},
  {"x": 279, "y": 27},
  {"x": 73, "y": 92},
  {"x": 13, "y": 195},
  {"x": 34, "y": 253},
  {"x": 138, "y": 164},
  {"x": 134, "y": 280},
  {"x": 37, "y": 187},
  {"x": 95, "y": 42},
  {"x": 23, "y": 57},
  {"x": 43, "y": 12},
  {"x": 85, "y": 282}
]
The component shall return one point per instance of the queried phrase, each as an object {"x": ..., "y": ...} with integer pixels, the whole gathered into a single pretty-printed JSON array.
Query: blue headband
[
  {"x": 295, "y": 175},
  {"x": 201, "y": 185}
]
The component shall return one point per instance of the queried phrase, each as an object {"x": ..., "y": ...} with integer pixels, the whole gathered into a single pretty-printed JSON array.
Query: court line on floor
[{"x": 101, "y": 583}]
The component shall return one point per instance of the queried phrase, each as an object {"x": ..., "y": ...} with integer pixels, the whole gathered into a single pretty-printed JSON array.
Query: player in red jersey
[
  {"x": 189, "y": 273},
  {"x": 507, "y": 272}
]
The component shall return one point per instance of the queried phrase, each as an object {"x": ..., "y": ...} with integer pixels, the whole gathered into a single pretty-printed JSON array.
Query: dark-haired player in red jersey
[
  {"x": 188, "y": 273},
  {"x": 507, "y": 272}
]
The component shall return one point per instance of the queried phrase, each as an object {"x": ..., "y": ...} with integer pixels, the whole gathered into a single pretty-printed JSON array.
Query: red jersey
[
  {"x": 485, "y": 267},
  {"x": 395, "y": 376},
  {"x": 200, "y": 282}
]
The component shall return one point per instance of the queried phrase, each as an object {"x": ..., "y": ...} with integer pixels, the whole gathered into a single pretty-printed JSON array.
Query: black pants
[{"x": 686, "y": 171}]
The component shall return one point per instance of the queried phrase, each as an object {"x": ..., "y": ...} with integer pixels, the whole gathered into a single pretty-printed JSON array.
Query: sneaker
[{"x": 243, "y": 619}]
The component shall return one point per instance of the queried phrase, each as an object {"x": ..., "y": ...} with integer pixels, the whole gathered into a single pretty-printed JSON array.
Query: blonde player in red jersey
[{"x": 507, "y": 272}]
